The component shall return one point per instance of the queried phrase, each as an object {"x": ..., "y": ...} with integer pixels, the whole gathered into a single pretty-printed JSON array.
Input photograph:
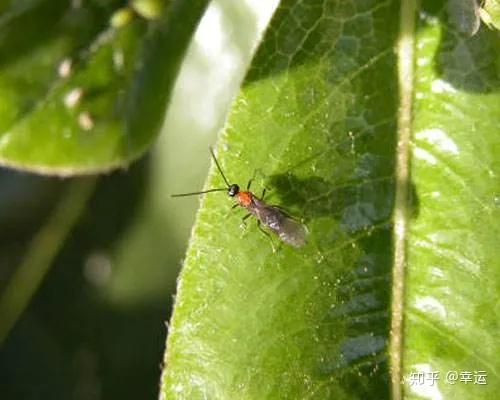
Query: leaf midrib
[{"x": 405, "y": 55}]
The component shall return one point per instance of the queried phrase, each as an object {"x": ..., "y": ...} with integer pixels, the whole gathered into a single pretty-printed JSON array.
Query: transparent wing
[
  {"x": 292, "y": 232},
  {"x": 288, "y": 229}
]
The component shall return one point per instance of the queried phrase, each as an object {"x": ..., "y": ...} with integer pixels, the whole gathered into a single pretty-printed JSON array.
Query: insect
[{"x": 288, "y": 229}]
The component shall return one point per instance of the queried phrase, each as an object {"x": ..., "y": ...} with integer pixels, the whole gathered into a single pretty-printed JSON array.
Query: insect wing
[
  {"x": 292, "y": 232},
  {"x": 288, "y": 229}
]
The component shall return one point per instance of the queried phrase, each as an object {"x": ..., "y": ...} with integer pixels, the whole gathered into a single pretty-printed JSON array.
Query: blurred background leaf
[
  {"x": 96, "y": 328},
  {"x": 79, "y": 90}
]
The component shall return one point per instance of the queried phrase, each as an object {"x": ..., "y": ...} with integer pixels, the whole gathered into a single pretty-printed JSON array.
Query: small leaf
[
  {"x": 490, "y": 13},
  {"x": 148, "y": 8}
]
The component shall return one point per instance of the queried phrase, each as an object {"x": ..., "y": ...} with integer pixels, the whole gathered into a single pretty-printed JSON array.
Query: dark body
[{"x": 289, "y": 231}]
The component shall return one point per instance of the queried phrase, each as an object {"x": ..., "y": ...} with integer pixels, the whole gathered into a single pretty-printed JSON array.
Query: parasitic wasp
[{"x": 288, "y": 229}]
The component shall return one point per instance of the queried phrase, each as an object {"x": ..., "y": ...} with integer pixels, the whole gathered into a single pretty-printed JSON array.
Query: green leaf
[
  {"x": 316, "y": 116},
  {"x": 453, "y": 268},
  {"x": 73, "y": 87},
  {"x": 325, "y": 116}
]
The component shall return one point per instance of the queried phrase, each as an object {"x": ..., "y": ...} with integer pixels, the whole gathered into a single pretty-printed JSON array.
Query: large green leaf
[
  {"x": 79, "y": 92},
  {"x": 317, "y": 117},
  {"x": 323, "y": 120}
]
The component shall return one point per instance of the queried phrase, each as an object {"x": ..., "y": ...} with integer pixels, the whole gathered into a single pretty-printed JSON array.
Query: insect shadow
[
  {"x": 358, "y": 202},
  {"x": 311, "y": 195}
]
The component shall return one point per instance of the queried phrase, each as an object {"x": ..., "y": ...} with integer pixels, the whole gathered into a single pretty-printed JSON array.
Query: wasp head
[{"x": 233, "y": 190}]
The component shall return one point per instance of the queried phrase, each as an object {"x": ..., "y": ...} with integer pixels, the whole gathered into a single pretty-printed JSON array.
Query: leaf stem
[
  {"x": 41, "y": 253},
  {"x": 401, "y": 209}
]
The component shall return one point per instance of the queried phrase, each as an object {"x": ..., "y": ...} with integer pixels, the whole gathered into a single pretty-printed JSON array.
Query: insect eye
[{"x": 233, "y": 190}]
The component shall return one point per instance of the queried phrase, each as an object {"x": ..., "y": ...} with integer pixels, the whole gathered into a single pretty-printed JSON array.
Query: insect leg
[
  {"x": 230, "y": 212},
  {"x": 243, "y": 220},
  {"x": 251, "y": 179},
  {"x": 255, "y": 172},
  {"x": 267, "y": 234}
]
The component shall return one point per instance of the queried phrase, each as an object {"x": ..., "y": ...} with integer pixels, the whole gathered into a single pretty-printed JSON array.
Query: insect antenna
[
  {"x": 209, "y": 190},
  {"x": 218, "y": 167},
  {"x": 195, "y": 193}
]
